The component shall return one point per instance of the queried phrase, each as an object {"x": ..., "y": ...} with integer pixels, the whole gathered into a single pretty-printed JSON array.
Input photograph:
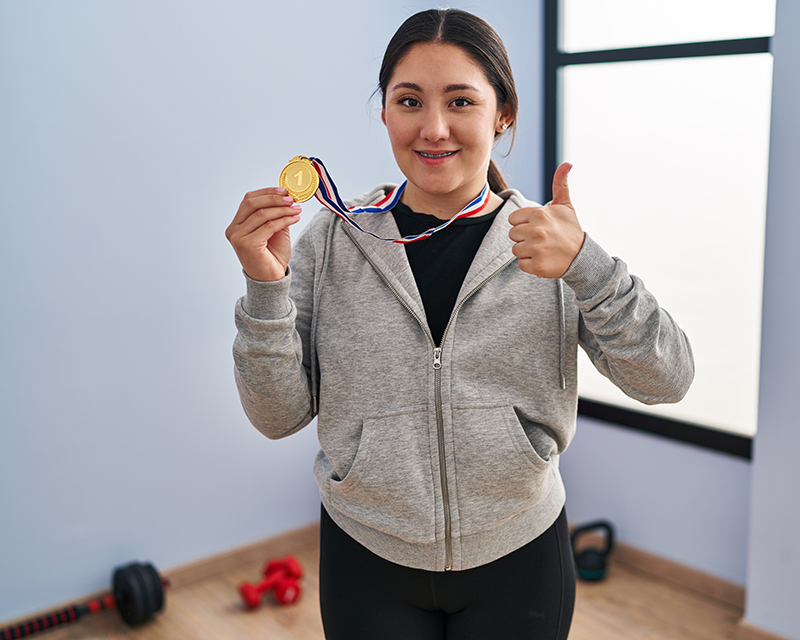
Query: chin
[{"x": 437, "y": 185}]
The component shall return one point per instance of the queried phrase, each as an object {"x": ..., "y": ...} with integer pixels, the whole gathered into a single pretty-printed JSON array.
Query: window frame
[{"x": 555, "y": 60}]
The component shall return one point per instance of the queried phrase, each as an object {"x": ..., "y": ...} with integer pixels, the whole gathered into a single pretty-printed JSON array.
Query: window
[
  {"x": 592, "y": 25},
  {"x": 664, "y": 113}
]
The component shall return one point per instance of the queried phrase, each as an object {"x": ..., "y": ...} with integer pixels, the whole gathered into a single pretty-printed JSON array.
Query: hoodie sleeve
[
  {"x": 630, "y": 339},
  {"x": 272, "y": 352},
  {"x": 271, "y": 348}
]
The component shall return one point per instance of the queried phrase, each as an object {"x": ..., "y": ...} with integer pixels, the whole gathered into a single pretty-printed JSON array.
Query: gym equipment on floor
[{"x": 138, "y": 594}]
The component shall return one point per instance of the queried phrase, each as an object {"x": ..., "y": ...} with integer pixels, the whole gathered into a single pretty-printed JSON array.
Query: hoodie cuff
[
  {"x": 267, "y": 300},
  {"x": 590, "y": 271}
]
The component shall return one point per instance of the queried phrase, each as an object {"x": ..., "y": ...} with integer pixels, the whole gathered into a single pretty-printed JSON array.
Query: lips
[{"x": 436, "y": 156}]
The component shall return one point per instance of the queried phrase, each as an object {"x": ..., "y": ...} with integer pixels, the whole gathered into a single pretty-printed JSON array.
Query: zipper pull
[{"x": 437, "y": 358}]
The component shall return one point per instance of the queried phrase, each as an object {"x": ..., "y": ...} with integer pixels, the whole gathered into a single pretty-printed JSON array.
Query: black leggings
[{"x": 530, "y": 593}]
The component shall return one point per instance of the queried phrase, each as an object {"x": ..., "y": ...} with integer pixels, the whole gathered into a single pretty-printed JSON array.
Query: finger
[
  {"x": 261, "y": 210},
  {"x": 527, "y": 265},
  {"x": 515, "y": 235},
  {"x": 262, "y": 234},
  {"x": 516, "y": 217},
  {"x": 261, "y": 250},
  {"x": 266, "y": 191},
  {"x": 261, "y": 199},
  {"x": 265, "y": 219},
  {"x": 560, "y": 185},
  {"x": 522, "y": 216},
  {"x": 520, "y": 250},
  {"x": 518, "y": 233}
]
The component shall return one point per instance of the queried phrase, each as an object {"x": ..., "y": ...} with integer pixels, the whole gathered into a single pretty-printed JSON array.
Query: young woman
[{"x": 442, "y": 372}]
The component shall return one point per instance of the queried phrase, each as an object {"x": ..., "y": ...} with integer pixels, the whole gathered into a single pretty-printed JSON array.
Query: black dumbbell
[
  {"x": 138, "y": 591},
  {"x": 138, "y": 594}
]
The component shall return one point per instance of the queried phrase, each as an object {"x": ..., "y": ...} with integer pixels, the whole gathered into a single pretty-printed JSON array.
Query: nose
[{"x": 435, "y": 126}]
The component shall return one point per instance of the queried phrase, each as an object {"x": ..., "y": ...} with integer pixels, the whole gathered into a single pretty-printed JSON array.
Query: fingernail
[
  {"x": 288, "y": 199},
  {"x": 297, "y": 207},
  {"x": 280, "y": 189}
]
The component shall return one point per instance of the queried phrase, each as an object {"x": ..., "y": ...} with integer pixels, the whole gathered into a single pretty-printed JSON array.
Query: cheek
[
  {"x": 479, "y": 131},
  {"x": 481, "y": 135},
  {"x": 400, "y": 132}
]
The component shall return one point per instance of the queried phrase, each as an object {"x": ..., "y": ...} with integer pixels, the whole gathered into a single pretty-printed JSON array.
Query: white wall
[
  {"x": 676, "y": 500},
  {"x": 773, "y": 588},
  {"x": 129, "y": 133}
]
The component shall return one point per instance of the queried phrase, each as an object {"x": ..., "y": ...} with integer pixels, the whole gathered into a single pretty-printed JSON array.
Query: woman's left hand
[{"x": 547, "y": 239}]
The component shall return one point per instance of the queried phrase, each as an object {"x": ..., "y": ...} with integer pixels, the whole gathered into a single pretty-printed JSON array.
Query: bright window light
[
  {"x": 670, "y": 173},
  {"x": 591, "y": 25}
]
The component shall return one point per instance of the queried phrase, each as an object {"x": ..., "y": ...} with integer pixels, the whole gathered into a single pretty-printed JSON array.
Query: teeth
[{"x": 439, "y": 155}]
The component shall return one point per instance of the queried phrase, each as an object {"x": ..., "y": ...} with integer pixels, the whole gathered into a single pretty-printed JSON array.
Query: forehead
[{"x": 436, "y": 65}]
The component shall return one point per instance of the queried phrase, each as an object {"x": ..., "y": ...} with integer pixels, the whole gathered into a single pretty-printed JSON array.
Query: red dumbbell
[{"x": 282, "y": 574}]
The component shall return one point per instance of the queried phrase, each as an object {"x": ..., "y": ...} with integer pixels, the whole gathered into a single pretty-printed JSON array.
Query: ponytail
[{"x": 496, "y": 181}]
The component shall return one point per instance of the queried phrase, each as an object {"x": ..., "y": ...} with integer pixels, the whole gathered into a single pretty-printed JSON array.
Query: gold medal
[{"x": 299, "y": 178}]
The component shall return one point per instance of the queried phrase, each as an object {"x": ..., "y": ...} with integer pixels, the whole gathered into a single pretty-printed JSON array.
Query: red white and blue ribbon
[{"x": 328, "y": 195}]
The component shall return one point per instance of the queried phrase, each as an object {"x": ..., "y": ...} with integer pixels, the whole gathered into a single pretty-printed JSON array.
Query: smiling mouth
[{"x": 436, "y": 155}]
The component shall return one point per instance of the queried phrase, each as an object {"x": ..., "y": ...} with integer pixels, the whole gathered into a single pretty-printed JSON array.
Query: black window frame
[{"x": 555, "y": 60}]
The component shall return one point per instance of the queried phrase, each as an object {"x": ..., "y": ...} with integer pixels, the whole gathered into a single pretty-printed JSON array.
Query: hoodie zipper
[
  {"x": 448, "y": 534},
  {"x": 437, "y": 367}
]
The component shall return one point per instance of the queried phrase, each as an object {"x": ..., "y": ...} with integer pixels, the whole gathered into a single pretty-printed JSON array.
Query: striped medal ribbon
[{"x": 328, "y": 195}]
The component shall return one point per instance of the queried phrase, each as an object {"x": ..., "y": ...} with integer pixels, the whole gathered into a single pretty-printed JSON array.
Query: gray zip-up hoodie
[{"x": 443, "y": 456}]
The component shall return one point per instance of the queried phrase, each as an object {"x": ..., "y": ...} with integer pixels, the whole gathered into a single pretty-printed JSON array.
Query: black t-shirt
[{"x": 440, "y": 263}]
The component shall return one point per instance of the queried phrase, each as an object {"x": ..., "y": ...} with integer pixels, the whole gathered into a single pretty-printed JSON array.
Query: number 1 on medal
[{"x": 299, "y": 178}]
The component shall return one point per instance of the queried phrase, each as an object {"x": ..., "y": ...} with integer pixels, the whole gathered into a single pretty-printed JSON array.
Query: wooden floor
[{"x": 627, "y": 605}]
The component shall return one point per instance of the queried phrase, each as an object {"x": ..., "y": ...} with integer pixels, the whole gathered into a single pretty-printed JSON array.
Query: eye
[
  {"x": 408, "y": 101},
  {"x": 461, "y": 102}
]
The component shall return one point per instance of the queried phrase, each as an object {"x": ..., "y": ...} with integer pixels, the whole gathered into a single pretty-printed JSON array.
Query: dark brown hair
[{"x": 477, "y": 39}]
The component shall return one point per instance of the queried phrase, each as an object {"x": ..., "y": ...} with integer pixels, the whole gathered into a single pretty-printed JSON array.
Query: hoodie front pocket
[
  {"x": 498, "y": 472},
  {"x": 390, "y": 485}
]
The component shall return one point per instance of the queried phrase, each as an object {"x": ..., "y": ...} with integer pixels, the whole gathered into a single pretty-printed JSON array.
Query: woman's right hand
[{"x": 259, "y": 233}]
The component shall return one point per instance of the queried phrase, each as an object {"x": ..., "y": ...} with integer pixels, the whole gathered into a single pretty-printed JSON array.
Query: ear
[
  {"x": 383, "y": 115},
  {"x": 503, "y": 117}
]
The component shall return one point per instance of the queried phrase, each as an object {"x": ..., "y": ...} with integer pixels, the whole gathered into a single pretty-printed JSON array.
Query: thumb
[{"x": 560, "y": 185}]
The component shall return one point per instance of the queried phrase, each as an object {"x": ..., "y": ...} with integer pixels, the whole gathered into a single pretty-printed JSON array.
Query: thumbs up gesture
[{"x": 547, "y": 239}]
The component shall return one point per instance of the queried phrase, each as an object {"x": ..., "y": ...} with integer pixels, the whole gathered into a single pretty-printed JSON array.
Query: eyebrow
[{"x": 448, "y": 89}]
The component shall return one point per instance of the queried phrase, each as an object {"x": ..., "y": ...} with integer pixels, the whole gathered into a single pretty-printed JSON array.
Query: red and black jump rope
[
  {"x": 56, "y": 618},
  {"x": 138, "y": 594}
]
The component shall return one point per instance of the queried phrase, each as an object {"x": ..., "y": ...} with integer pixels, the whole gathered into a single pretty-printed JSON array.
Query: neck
[{"x": 445, "y": 206}]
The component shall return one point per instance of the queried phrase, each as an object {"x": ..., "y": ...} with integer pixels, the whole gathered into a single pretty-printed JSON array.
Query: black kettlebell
[{"x": 590, "y": 564}]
